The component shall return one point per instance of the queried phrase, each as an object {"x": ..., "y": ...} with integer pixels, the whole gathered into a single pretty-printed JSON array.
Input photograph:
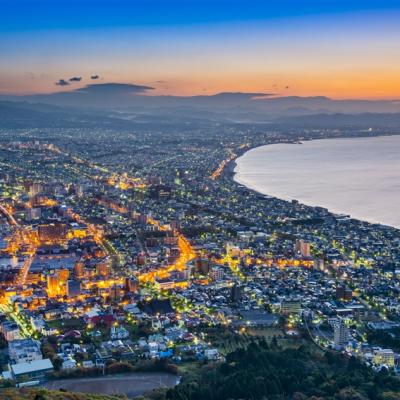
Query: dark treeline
[{"x": 263, "y": 372}]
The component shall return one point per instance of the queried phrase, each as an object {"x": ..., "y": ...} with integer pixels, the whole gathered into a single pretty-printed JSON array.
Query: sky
[{"x": 340, "y": 49}]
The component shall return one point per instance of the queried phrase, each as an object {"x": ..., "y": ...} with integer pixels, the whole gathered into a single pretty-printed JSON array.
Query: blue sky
[
  {"x": 335, "y": 48},
  {"x": 23, "y": 15}
]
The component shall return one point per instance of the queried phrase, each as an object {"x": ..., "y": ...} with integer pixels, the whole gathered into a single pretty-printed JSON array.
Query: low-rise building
[
  {"x": 291, "y": 307},
  {"x": 384, "y": 357},
  {"x": 31, "y": 370},
  {"x": 25, "y": 350},
  {"x": 10, "y": 330}
]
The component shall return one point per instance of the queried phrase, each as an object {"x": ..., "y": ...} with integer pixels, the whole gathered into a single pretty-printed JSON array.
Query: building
[
  {"x": 38, "y": 324},
  {"x": 319, "y": 264},
  {"x": 131, "y": 284},
  {"x": 344, "y": 293},
  {"x": 35, "y": 189},
  {"x": 115, "y": 293},
  {"x": 77, "y": 231},
  {"x": 79, "y": 269},
  {"x": 302, "y": 247},
  {"x": 211, "y": 354},
  {"x": 68, "y": 362},
  {"x": 35, "y": 213},
  {"x": 24, "y": 351},
  {"x": 202, "y": 265},
  {"x": 165, "y": 284},
  {"x": 56, "y": 283},
  {"x": 31, "y": 370},
  {"x": 103, "y": 269},
  {"x": 52, "y": 284},
  {"x": 118, "y": 332},
  {"x": 384, "y": 357},
  {"x": 236, "y": 293},
  {"x": 216, "y": 273},
  {"x": 52, "y": 232},
  {"x": 10, "y": 330},
  {"x": 73, "y": 288},
  {"x": 341, "y": 333},
  {"x": 79, "y": 190},
  {"x": 291, "y": 307}
]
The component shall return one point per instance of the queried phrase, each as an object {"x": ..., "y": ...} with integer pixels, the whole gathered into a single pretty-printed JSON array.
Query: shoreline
[{"x": 229, "y": 173}]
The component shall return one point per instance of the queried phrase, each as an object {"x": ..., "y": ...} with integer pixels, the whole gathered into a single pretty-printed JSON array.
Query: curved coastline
[{"x": 234, "y": 174}]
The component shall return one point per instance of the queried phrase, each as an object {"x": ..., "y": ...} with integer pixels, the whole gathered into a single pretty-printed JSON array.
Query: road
[
  {"x": 131, "y": 385},
  {"x": 9, "y": 216},
  {"x": 32, "y": 251},
  {"x": 186, "y": 254},
  {"x": 216, "y": 174}
]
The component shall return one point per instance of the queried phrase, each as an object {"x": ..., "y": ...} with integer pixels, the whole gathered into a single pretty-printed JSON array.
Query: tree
[
  {"x": 57, "y": 363},
  {"x": 3, "y": 342},
  {"x": 48, "y": 350},
  {"x": 79, "y": 357},
  {"x": 350, "y": 394}
]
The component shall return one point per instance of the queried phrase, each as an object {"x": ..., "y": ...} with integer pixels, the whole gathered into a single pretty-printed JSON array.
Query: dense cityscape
[
  {"x": 199, "y": 200},
  {"x": 142, "y": 253}
]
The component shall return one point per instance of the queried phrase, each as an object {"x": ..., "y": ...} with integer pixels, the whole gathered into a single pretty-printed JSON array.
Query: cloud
[
  {"x": 75, "y": 79},
  {"x": 95, "y": 77},
  {"x": 62, "y": 82},
  {"x": 114, "y": 88}
]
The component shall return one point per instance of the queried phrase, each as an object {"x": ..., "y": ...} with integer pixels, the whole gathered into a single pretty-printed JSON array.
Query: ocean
[{"x": 355, "y": 176}]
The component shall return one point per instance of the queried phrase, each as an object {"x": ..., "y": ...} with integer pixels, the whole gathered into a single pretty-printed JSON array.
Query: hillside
[
  {"x": 43, "y": 394},
  {"x": 262, "y": 372}
]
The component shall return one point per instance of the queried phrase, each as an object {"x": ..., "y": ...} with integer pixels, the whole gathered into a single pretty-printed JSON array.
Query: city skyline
[{"x": 339, "y": 50}]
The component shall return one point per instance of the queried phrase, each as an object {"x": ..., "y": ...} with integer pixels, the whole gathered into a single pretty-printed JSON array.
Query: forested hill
[{"x": 261, "y": 372}]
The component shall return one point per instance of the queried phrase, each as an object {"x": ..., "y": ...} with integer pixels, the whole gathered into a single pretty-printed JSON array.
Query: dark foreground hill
[
  {"x": 43, "y": 394},
  {"x": 261, "y": 372}
]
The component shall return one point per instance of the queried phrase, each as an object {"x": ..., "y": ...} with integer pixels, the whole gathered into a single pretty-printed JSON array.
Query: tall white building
[{"x": 341, "y": 333}]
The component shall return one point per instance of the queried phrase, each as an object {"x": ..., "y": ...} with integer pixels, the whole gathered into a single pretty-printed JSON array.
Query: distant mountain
[
  {"x": 226, "y": 108},
  {"x": 262, "y": 106},
  {"x": 312, "y": 105},
  {"x": 24, "y": 115},
  {"x": 34, "y": 115},
  {"x": 18, "y": 115},
  {"x": 117, "y": 95},
  {"x": 338, "y": 120}
]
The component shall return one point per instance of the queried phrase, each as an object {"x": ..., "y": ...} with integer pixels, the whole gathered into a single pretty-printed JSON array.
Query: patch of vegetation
[
  {"x": 269, "y": 372},
  {"x": 44, "y": 394},
  {"x": 387, "y": 339},
  {"x": 67, "y": 324}
]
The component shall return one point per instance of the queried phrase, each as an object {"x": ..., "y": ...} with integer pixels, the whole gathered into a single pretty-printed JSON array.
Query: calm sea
[{"x": 360, "y": 177}]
